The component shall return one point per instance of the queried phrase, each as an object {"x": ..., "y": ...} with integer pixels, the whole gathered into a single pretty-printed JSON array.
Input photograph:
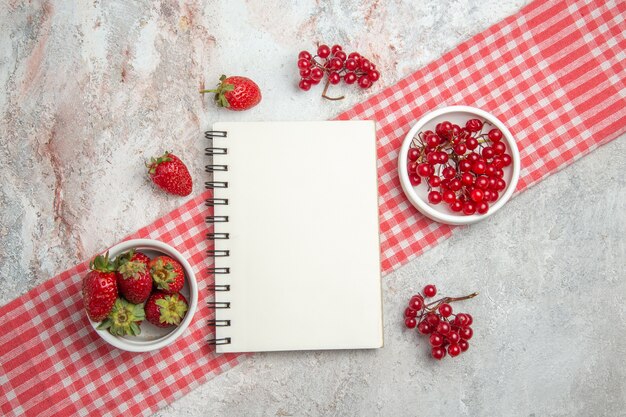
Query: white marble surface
[{"x": 92, "y": 89}]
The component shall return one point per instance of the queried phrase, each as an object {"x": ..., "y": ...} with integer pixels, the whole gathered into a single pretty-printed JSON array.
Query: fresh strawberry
[
  {"x": 124, "y": 319},
  {"x": 170, "y": 174},
  {"x": 165, "y": 310},
  {"x": 168, "y": 275},
  {"x": 133, "y": 276},
  {"x": 236, "y": 93},
  {"x": 100, "y": 288}
]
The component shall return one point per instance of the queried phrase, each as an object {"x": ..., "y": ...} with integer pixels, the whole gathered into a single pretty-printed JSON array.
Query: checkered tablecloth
[{"x": 554, "y": 73}]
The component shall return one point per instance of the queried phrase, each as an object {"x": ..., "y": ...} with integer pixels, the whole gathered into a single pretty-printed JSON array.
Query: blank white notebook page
[{"x": 304, "y": 252}]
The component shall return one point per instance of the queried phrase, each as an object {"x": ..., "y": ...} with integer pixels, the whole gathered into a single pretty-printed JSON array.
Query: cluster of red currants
[
  {"x": 337, "y": 65},
  {"x": 462, "y": 166},
  {"x": 448, "y": 332}
]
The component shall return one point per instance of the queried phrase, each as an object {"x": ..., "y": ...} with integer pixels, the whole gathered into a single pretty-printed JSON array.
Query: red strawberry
[
  {"x": 133, "y": 276},
  {"x": 164, "y": 310},
  {"x": 170, "y": 174},
  {"x": 168, "y": 275},
  {"x": 100, "y": 288},
  {"x": 236, "y": 93},
  {"x": 124, "y": 319}
]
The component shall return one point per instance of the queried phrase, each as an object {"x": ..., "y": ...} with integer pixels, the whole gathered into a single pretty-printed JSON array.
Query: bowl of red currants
[{"x": 458, "y": 165}]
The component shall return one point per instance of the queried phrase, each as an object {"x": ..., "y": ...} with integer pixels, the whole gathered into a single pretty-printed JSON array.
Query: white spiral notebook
[{"x": 295, "y": 226}]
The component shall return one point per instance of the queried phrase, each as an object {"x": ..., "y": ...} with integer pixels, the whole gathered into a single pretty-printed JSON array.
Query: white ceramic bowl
[
  {"x": 153, "y": 337},
  {"x": 418, "y": 195}
]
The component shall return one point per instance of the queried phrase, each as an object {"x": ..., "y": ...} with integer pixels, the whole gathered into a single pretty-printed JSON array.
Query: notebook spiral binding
[{"x": 212, "y": 202}]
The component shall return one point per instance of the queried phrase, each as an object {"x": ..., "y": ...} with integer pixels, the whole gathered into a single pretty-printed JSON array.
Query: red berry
[
  {"x": 506, "y": 160},
  {"x": 463, "y": 345},
  {"x": 499, "y": 148},
  {"x": 341, "y": 55},
  {"x": 448, "y": 172},
  {"x": 349, "y": 78},
  {"x": 364, "y": 82},
  {"x": 453, "y": 337},
  {"x": 351, "y": 64},
  {"x": 479, "y": 167},
  {"x": 323, "y": 51},
  {"x": 443, "y": 328},
  {"x": 461, "y": 320},
  {"x": 469, "y": 208},
  {"x": 466, "y": 333},
  {"x": 467, "y": 178},
  {"x": 374, "y": 75},
  {"x": 355, "y": 56},
  {"x": 305, "y": 72},
  {"x": 335, "y": 49},
  {"x": 471, "y": 143},
  {"x": 413, "y": 154},
  {"x": 436, "y": 339},
  {"x": 410, "y": 322},
  {"x": 465, "y": 165},
  {"x": 445, "y": 310},
  {"x": 460, "y": 149},
  {"x": 304, "y": 55},
  {"x": 304, "y": 84},
  {"x": 455, "y": 184},
  {"x": 317, "y": 73},
  {"x": 434, "y": 181},
  {"x": 500, "y": 184},
  {"x": 304, "y": 63},
  {"x": 335, "y": 63},
  {"x": 495, "y": 135},
  {"x": 488, "y": 152},
  {"x": 430, "y": 290},
  {"x": 365, "y": 65},
  {"x": 409, "y": 312},
  {"x": 438, "y": 352},
  {"x": 449, "y": 196},
  {"x": 470, "y": 319},
  {"x": 415, "y": 179},
  {"x": 454, "y": 350},
  {"x": 482, "y": 207},
  {"x": 432, "y": 140},
  {"x": 474, "y": 125},
  {"x": 494, "y": 196},
  {"x": 416, "y": 302},
  {"x": 456, "y": 206},
  {"x": 424, "y": 328},
  {"x": 434, "y": 197},
  {"x": 473, "y": 157},
  {"x": 432, "y": 319},
  {"x": 423, "y": 169},
  {"x": 334, "y": 78},
  {"x": 476, "y": 195}
]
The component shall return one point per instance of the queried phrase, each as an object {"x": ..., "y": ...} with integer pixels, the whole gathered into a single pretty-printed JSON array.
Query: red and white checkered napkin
[{"x": 554, "y": 73}]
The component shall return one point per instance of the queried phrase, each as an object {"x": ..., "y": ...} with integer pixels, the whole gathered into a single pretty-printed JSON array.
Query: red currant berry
[
  {"x": 335, "y": 63},
  {"x": 351, "y": 64},
  {"x": 305, "y": 72},
  {"x": 413, "y": 154},
  {"x": 341, "y": 55},
  {"x": 482, "y": 207},
  {"x": 463, "y": 345},
  {"x": 499, "y": 173},
  {"x": 479, "y": 167},
  {"x": 466, "y": 333},
  {"x": 354, "y": 55},
  {"x": 488, "y": 152},
  {"x": 443, "y": 328},
  {"x": 432, "y": 319},
  {"x": 364, "y": 82},
  {"x": 365, "y": 65},
  {"x": 415, "y": 179},
  {"x": 430, "y": 290},
  {"x": 446, "y": 126},
  {"x": 454, "y": 350},
  {"x": 456, "y": 206},
  {"x": 449, "y": 172},
  {"x": 416, "y": 302},
  {"x": 334, "y": 78},
  {"x": 455, "y": 131},
  {"x": 490, "y": 171},
  {"x": 424, "y": 328},
  {"x": 500, "y": 184},
  {"x": 323, "y": 51},
  {"x": 473, "y": 125},
  {"x": 349, "y": 78},
  {"x": 461, "y": 320},
  {"x": 335, "y": 49},
  {"x": 317, "y": 73},
  {"x": 374, "y": 75},
  {"x": 453, "y": 337},
  {"x": 493, "y": 183},
  {"x": 465, "y": 165},
  {"x": 304, "y": 85},
  {"x": 497, "y": 162},
  {"x": 438, "y": 353},
  {"x": 469, "y": 208},
  {"x": 434, "y": 181},
  {"x": 314, "y": 81},
  {"x": 470, "y": 319},
  {"x": 506, "y": 160},
  {"x": 476, "y": 195},
  {"x": 482, "y": 182},
  {"x": 432, "y": 140},
  {"x": 445, "y": 310},
  {"x": 499, "y": 148},
  {"x": 410, "y": 322},
  {"x": 473, "y": 157},
  {"x": 304, "y": 63},
  {"x": 436, "y": 339},
  {"x": 434, "y": 197},
  {"x": 471, "y": 143},
  {"x": 423, "y": 169},
  {"x": 455, "y": 184},
  {"x": 495, "y": 135},
  {"x": 487, "y": 195},
  {"x": 432, "y": 158},
  {"x": 443, "y": 157},
  {"x": 409, "y": 312},
  {"x": 467, "y": 178},
  {"x": 494, "y": 196},
  {"x": 460, "y": 149},
  {"x": 448, "y": 196},
  {"x": 304, "y": 55}
]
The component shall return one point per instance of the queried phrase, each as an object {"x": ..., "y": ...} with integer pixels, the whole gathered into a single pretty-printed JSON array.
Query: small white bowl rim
[
  {"x": 423, "y": 206},
  {"x": 147, "y": 346}
]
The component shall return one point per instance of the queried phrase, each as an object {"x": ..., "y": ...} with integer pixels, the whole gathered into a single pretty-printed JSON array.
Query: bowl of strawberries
[{"x": 141, "y": 295}]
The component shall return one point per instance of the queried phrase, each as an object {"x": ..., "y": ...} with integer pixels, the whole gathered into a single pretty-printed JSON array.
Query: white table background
[{"x": 92, "y": 89}]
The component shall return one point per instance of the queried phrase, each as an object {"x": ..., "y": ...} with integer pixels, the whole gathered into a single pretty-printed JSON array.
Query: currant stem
[
  {"x": 452, "y": 299},
  {"x": 326, "y": 89}
]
